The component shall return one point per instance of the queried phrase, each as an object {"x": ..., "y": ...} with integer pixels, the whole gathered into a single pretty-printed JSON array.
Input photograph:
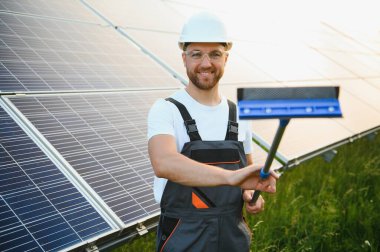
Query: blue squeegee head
[{"x": 298, "y": 102}]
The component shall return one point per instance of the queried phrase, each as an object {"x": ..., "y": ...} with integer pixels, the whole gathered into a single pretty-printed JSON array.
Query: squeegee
[{"x": 285, "y": 103}]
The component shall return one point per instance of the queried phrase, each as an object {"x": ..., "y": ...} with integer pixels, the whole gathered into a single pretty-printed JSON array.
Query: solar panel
[
  {"x": 38, "y": 54},
  {"x": 127, "y": 14},
  {"x": 103, "y": 137},
  {"x": 40, "y": 209},
  {"x": 366, "y": 37},
  {"x": 374, "y": 82},
  {"x": 353, "y": 62},
  {"x": 73, "y": 10}
]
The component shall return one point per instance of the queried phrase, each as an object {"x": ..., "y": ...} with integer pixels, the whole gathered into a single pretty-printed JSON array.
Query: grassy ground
[{"x": 319, "y": 206}]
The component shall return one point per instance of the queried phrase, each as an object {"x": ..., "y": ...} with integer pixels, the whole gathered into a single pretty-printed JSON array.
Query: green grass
[{"x": 318, "y": 206}]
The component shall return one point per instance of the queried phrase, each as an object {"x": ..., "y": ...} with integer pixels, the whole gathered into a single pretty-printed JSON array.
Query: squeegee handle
[{"x": 264, "y": 173}]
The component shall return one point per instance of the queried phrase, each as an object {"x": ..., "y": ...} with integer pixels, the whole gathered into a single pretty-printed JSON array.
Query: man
[{"x": 200, "y": 154}]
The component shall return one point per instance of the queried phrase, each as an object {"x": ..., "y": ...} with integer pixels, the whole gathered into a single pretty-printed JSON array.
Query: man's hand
[
  {"x": 248, "y": 178},
  {"x": 253, "y": 208}
]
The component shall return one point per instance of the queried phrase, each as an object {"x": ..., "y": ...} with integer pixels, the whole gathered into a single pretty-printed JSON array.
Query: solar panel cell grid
[
  {"x": 52, "y": 8},
  {"x": 15, "y": 237},
  {"x": 50, "y": 55},
  {"x": 39, "y": 208},
  {"x": 103, "y": 137}
]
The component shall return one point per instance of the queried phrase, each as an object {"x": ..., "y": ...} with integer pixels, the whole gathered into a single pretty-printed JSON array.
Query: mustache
[{"x": 210, "y": 68}]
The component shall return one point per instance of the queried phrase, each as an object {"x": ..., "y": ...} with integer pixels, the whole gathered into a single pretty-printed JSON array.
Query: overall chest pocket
[{"x": 216, "y": 156}]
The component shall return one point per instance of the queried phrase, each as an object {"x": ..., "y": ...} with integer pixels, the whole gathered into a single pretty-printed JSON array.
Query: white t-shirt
[{"x": 165, "y": 118}]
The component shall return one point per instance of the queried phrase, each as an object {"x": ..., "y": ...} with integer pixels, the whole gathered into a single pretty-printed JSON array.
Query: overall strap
[
  {"x": 233, "y": 126},
  {"x": 190, "y": 124}
]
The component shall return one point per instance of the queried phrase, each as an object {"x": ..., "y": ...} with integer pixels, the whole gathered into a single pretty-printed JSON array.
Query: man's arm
[
  {"x": 249, "y": 159},
  {"x": 168, "y": 163}
]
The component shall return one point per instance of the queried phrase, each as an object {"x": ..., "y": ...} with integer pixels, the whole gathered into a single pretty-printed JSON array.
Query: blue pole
[{"x": 264, "y": 173}]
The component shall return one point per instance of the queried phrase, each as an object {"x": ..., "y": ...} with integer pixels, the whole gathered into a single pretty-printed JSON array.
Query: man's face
[{"x": 204, "y": 64}]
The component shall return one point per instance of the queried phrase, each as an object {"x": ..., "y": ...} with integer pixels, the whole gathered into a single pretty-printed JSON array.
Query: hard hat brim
[{"x": 228, "y": 45}]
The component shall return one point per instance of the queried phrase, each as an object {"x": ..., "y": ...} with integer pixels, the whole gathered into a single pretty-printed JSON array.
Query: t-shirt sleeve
[
  {"x": 160, "y": 119},
  {"x": 246, "y": 126}
]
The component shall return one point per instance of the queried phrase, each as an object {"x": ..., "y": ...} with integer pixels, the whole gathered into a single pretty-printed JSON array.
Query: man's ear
[
  {"x": 184, "y": 58},
  {"x": 227, "y": 54}
]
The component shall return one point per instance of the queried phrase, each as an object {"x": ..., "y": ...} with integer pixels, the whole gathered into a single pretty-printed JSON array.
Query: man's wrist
[{"x": 228, "y": 177}]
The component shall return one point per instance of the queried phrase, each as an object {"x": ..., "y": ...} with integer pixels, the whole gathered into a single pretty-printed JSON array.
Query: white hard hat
[{"x": 204, "y": 27}]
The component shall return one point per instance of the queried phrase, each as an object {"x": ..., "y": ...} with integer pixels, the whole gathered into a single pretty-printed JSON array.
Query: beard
[{"x": 206, "y": 83}]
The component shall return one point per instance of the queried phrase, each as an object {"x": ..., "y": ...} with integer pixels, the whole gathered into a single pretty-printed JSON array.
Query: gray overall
[{"x": 205, "y": 218}]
